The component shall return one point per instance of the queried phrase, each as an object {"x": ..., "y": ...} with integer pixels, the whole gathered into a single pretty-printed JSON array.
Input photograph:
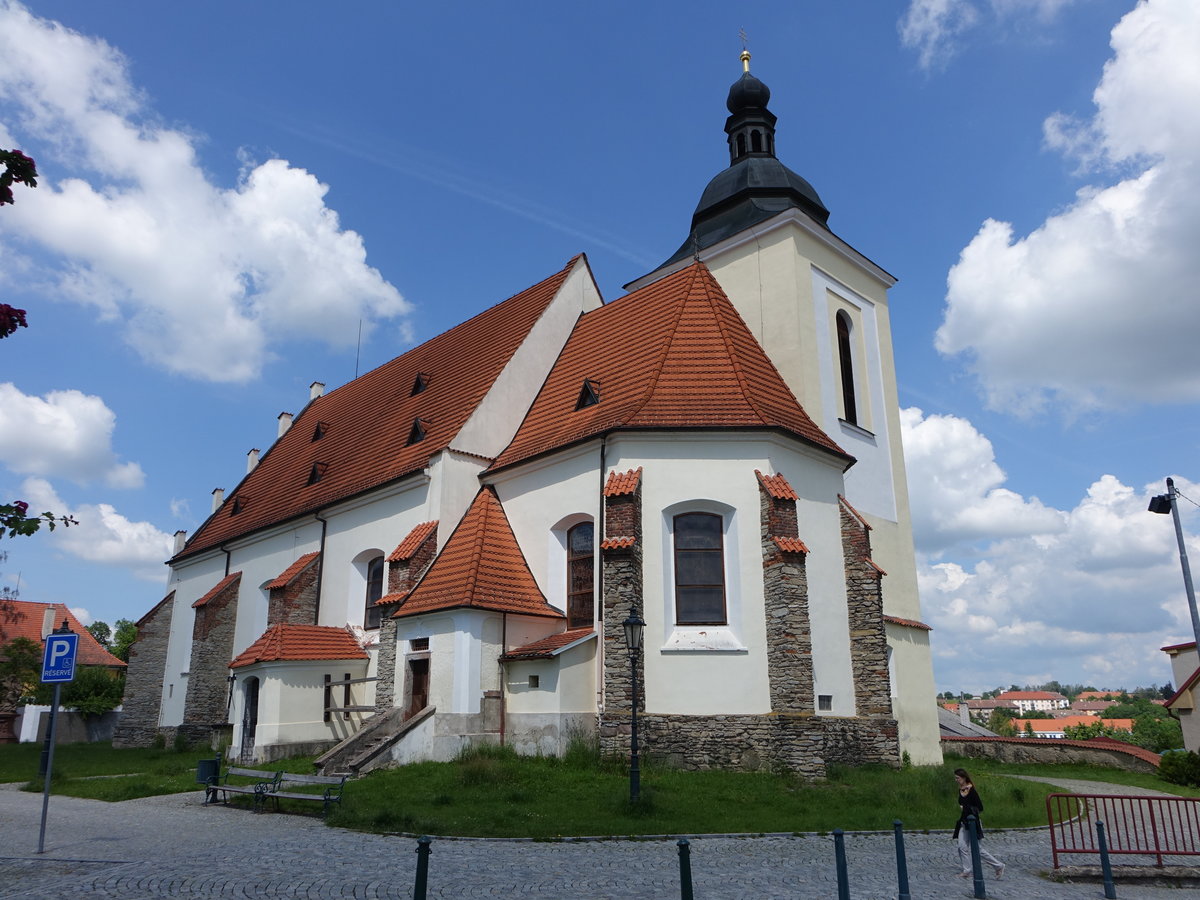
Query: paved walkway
[{"x": 174, "y": 846}]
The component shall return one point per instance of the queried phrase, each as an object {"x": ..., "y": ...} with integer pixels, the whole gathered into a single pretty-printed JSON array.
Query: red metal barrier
[{"x": 1135, "y": 826}]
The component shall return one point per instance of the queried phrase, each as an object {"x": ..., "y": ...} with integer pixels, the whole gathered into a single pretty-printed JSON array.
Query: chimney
[
  {"x": 218, "y": 498},
  {"x": 48, "y": 617},
  {"x": 285, "y": 422},
  {"x": 180, "y": 540},
  {"x": 251, "y": 460},
  {"x": 316, "y": 389},
  {"x": 964, "y": 712}
]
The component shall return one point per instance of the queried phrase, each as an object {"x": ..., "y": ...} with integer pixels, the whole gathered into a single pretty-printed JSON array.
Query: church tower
[{"x": 819, "y": 308}]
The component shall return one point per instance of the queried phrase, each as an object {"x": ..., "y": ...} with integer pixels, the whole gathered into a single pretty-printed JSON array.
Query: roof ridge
[{"x": 665, "y": 351}]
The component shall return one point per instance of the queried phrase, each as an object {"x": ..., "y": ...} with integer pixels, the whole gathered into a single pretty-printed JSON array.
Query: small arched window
[
  {"x": 756, "y": 141},
  {"x": 741, "y": 145},
  {"x": 699, "y": 569},
  {"x": 846, "y": 364},
  {"x": 581, "y": 607},
  {"x": 373, "y": 614}
]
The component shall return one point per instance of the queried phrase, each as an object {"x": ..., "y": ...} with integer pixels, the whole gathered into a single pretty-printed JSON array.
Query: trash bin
[{"x": 207, "y": 772}]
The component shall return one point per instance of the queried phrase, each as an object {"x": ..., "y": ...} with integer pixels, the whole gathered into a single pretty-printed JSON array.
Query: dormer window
[
  {"x": 319, "y": 431},
  {"x": 589, "y": 394},
  {"x": 239, "y": 503},
  {"x": 317, "y": 472},
  {"x": 417, "y": 432},
  {"x": 419, "y": 384}
]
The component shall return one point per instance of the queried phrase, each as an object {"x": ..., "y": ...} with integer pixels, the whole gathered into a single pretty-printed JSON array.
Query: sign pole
[
  {"x": 58, "y": 666},
  {"x": 49, "y": 768}
]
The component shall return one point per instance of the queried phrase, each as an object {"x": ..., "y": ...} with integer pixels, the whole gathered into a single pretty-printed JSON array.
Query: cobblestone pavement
[{"x": 175, "y": 846}]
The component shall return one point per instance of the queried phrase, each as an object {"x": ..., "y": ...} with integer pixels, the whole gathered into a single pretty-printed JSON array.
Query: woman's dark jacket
[{"x": 970, "y": 805}]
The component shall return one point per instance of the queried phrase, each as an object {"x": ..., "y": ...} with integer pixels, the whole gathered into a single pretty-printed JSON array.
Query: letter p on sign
[{"x": 59, "y": 662}]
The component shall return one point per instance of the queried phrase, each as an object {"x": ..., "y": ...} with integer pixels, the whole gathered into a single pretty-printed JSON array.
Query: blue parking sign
[{"x": 59, "y": 662}]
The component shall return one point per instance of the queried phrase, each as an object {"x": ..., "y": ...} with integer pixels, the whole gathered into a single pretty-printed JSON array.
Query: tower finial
[{"x": 745, "y": 53}]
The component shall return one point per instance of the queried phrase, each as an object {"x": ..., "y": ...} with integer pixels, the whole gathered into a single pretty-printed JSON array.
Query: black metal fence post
[
  {"x": 685, "y": 870},
  {"x": 422, "y": 868},
  {"x": 901, "y": 863},
  {"x": 1110, "y": 889},
  {"x": 976, "y": 862},
  {"x": 839, "y": 855}
]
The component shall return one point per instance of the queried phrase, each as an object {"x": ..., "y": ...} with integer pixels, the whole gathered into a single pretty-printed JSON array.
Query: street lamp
[
  {"x": 1163, "y": 504},
  {"x": 633, "y": 641}
]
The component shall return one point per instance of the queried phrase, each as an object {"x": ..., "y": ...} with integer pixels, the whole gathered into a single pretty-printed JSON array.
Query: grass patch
[
  {"x": 1077, "y": 771},
  {"x": 494, "y": 792}
]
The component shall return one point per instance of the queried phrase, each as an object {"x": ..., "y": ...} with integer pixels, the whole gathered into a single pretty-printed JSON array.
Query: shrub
[{"x": 1180, "y": 767}]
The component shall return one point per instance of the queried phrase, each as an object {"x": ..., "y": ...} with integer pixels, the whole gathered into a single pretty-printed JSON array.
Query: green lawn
[{"x": 495, "y": 793}]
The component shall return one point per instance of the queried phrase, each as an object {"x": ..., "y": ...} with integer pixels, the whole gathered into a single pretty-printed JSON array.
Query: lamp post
[
  {"x": 1163, "y": 504},
  {"x": 633, "y": 640}
]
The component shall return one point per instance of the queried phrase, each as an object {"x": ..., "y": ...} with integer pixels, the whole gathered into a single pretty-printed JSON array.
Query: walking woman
[{"x": 970, "y": 805}]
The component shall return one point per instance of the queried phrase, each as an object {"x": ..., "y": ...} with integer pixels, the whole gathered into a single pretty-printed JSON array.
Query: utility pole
[{"x": 1162, "y": 504}]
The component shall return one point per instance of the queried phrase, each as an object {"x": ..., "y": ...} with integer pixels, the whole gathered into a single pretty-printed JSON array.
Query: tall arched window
[
  {"x": 581, "y": 607},
  {"x": 375, "y": 571},
  {"x": 699, "y": 569},
  {"x": 846, "y": 361}
]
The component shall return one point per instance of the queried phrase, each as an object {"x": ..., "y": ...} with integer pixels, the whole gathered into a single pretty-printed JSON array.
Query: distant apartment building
[{"x": 1034, "y": 701}]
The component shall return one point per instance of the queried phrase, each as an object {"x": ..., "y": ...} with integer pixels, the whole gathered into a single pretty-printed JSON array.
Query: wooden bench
[
  {"x": 249, "y": 781},
  {"x": 323, "y": 789}
]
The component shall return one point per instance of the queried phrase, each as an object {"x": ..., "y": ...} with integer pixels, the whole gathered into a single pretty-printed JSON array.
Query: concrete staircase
[{"x": 367, "y": 748}]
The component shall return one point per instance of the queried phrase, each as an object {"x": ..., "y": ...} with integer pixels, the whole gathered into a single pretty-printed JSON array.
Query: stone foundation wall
[
  {"x": 1025, "y": 750},
  {"x": 142, "y": 702},
  {"x": 785, "y": 594},
  {"x": 864, "y": 604},
  {"x": 800, "y": 743}
]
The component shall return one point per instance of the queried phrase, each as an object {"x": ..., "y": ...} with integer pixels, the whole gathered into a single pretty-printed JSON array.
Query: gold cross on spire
[{"x": 745, "y": 53}]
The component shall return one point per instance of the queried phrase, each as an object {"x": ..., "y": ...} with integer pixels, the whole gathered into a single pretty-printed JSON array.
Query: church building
[{"x": 444, "y": 551}]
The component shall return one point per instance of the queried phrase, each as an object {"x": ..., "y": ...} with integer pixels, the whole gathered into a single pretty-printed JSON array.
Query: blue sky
[{"x": 229, "y": 189}]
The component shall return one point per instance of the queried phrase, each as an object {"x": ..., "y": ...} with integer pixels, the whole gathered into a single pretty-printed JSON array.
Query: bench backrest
[
  {"x": 291, "y": 778},
  {"x": 251, "y": 773}
]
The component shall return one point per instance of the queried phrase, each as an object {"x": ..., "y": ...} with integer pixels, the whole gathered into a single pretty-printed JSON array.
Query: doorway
[
  {"x": 418, "y": 681},
  {"x": 249, "y": 719}
]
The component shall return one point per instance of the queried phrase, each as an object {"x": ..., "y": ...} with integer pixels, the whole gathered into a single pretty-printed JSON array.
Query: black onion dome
[
  {"x": 756, "y": 186},
  {"x": 747, "y": 93}
]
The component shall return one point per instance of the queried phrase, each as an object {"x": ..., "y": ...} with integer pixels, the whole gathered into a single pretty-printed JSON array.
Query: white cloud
[
  {"x": 204, "y": 279},
  {"x": 935, "y": 28},
  {"x": 1031, "y": 593},
  {"x": 955, "y": 487},
  {"x": 1089, "y": 310},
  {"x": 80, "y": 613},
  {"x": 103, "y": 535},
  {"x": 65, "y": 434}
]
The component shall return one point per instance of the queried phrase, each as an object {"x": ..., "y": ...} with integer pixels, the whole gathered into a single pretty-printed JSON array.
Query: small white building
[{"x": 1185, "y": 675}]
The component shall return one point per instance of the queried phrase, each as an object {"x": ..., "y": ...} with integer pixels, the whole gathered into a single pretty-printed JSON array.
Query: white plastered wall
[{"x": 295, "y": 692}]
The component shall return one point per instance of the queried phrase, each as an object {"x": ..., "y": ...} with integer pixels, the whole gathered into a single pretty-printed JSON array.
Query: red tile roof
[
  {"x": 413, "y": 541},
  {"x": 480, "y": 566},
  {"x": 389, "y": 599},
  {"x": 790, "y": 544},
  {"x": 550, "y": 646},
  {"x": 908, "y": 623},
  {"x": 617, "y": 543},
  {"x": 1030, "y": 695},
  {"x": 369, "y": 420},
  {"x": 620, "y": 483},
  {"x": 672, "y": 355},
  {"x": 292, "y": 571},
  {"x": 220, "y": 586},
  {"x": 854, "y": 512},
  {"x": 777, "y": 486},
  {"x": 1097, "y": 695},
  {"x": 23, "y": 618},
  {"x": 300, "y": 642}
]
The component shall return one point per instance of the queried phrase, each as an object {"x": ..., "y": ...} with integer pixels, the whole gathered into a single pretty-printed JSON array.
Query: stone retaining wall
[{"x": 1034, "y": 750}]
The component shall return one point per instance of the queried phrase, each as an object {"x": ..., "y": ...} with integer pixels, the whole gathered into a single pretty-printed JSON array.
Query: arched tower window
[
  {"x": 741, "y": 145},
  {"x": 756, "y": 141},
  {"x": 846, "y": 361},
  {"x": 373, "y": 615},
  {"x": 581, "y": 607}
]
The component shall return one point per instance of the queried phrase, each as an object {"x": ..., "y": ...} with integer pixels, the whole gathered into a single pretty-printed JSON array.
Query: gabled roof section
[
  {"x": 369, "y": 420},
  {"x": 673, "y": 355},
  {"x": 23, "y": 619},
  {"x": 413, "y": 541},
  {"x": 285, "y": 578},
  {"x": 554, "y": 645},
  {"x": 907, "y": 623},
  {"x": 481, "y": 566},
  {"x": 300, "y": 643},
  {"x": 225, "y": 582}
]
